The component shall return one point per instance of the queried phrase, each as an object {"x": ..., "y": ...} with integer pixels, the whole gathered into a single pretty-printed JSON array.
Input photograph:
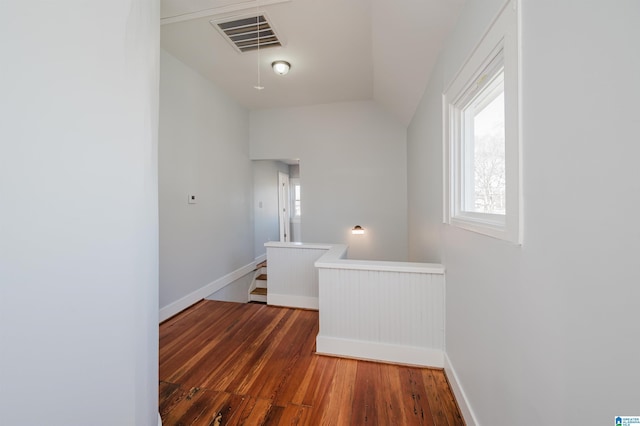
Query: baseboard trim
[
  {"x": 465, "y": 408},
  {"x": 379, "y": 351},
  {"x": 196, "y": 296},
  {"x": 261, "y": 258},
  {"x": 159, "y": 420},
  {"x": 303, "y": 302}
]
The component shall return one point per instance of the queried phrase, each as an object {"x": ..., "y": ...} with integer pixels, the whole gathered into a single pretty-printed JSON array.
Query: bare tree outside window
[{"x": 489, "y": 158}]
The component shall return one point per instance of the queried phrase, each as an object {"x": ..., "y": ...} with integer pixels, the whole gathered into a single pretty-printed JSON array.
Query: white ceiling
[{"x": 339, "y": 50}]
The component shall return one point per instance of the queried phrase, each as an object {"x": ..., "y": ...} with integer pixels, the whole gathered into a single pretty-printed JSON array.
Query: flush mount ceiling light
[{"x": 281, "y": 67}]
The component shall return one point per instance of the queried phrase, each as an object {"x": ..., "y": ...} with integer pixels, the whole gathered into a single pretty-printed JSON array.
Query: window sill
[{"x": 489, "y": 226}]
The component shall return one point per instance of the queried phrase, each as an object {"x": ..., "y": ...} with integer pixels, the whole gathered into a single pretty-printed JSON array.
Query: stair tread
[
  {"x": 261, "y": 277},
  {"x": 259, "y": 291},
  {"x": 262, "y": 264}
]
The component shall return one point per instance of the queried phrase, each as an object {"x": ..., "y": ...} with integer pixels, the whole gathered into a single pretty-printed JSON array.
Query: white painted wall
[
  {"x": 294, "y": 171},
  {"x": 204, "y": 149},
  {"x": 78, "y": 213},
  {"x": 237, "y": 291},
  {"x": 293, "y": 277},
  {"x": 353, "y": 167},
  {"x": 385, "y": 315},
  {"x": 265, "y": 203},
  {"x": 547, "y": 333}
]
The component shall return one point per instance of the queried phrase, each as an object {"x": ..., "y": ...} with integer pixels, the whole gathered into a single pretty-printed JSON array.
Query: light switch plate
[{"x": 192, "y": 199}]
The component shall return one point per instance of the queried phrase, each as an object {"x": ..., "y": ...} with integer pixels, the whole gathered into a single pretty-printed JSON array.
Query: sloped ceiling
[{"x": 339, "y": 50}]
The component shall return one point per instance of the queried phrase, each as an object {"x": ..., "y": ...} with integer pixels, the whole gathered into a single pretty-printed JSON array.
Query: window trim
[
  {"x": 502, "y": 38},
  {"x": 295, "y": 218},
  {"x": 464, "y": 108}
]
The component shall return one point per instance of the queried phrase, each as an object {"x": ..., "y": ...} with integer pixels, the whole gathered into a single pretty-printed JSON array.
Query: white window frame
[
  {"x": 295, "y": 218},
  {"x": 500, "y": 43}
]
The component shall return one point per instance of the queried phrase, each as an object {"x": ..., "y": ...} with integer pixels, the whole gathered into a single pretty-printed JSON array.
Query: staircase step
[
  {"x": 259, "y": 291},
  {"x": 258, "y": 295}
]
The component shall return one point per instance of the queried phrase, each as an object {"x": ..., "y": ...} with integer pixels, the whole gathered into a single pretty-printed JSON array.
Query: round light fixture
[{"x": 280, "y": 67}]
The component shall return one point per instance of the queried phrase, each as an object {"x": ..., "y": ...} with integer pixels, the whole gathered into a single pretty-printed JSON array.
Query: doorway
[{"x": 269, "y": 200}]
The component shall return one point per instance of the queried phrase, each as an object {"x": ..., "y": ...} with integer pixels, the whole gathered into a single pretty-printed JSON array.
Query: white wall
[
  {"x": 237, "y": 291},
  {"x": 204, "y": 149},
  {"x": 547, "y": 333},
  {"x": 265, "y": 203},
  {"x": 294, "y": 171},
  {"x": 78, "y": 213},
  {"x": 353, "y": 172}
]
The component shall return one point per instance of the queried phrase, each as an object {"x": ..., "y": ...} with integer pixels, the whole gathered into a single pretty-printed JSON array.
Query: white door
[{"x": 283, "y": 207}]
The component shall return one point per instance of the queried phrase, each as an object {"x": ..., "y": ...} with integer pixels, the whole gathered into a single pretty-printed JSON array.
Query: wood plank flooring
[{"x": 227, "y": 363}]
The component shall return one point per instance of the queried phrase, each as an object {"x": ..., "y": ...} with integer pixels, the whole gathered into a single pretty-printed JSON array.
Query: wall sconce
[{"x": 357, "y": 230}]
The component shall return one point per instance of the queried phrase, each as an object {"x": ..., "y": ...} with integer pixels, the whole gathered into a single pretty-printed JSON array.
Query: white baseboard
[
  {"x": 261, "y": 258},
  {"x": 159, "y": 420},
  {"x": 303, "y": 302},
  {"x": 469, "y": 417},
  {"x": 379, "y": 351},
  {"x": 191, "y": 298}
]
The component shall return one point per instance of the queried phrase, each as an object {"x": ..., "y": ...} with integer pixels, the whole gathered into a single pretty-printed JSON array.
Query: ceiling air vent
[{"x": 247, "y": 32}]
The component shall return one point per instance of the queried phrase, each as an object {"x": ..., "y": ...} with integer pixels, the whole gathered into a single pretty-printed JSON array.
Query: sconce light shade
[
  {"x": 357, "y": 230},
  {"x": 281, "y": 67}
]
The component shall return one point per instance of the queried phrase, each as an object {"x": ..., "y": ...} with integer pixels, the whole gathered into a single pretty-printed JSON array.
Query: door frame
[{"x": 284, "y": 215}]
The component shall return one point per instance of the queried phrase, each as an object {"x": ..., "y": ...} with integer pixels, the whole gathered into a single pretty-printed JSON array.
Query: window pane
[
  {"x": 296, "y": 201},
  {"x": 489, "y": 152}
]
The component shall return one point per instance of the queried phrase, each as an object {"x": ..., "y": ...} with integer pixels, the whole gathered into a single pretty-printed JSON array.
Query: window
[
  {"x": 481, "y": 136},
  {"x": 296, "y": 207},
  {"x": 482, "y": 145}
]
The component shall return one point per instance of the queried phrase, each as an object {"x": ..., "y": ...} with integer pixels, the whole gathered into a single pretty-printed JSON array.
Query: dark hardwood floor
[{"x": 250, "y": 364}]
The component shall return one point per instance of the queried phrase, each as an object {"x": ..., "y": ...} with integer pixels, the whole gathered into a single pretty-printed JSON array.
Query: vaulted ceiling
[{"x": 339, "y": 50}]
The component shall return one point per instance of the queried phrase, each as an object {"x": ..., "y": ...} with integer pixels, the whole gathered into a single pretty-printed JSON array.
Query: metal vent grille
[{"x": 245, "y": 32}]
